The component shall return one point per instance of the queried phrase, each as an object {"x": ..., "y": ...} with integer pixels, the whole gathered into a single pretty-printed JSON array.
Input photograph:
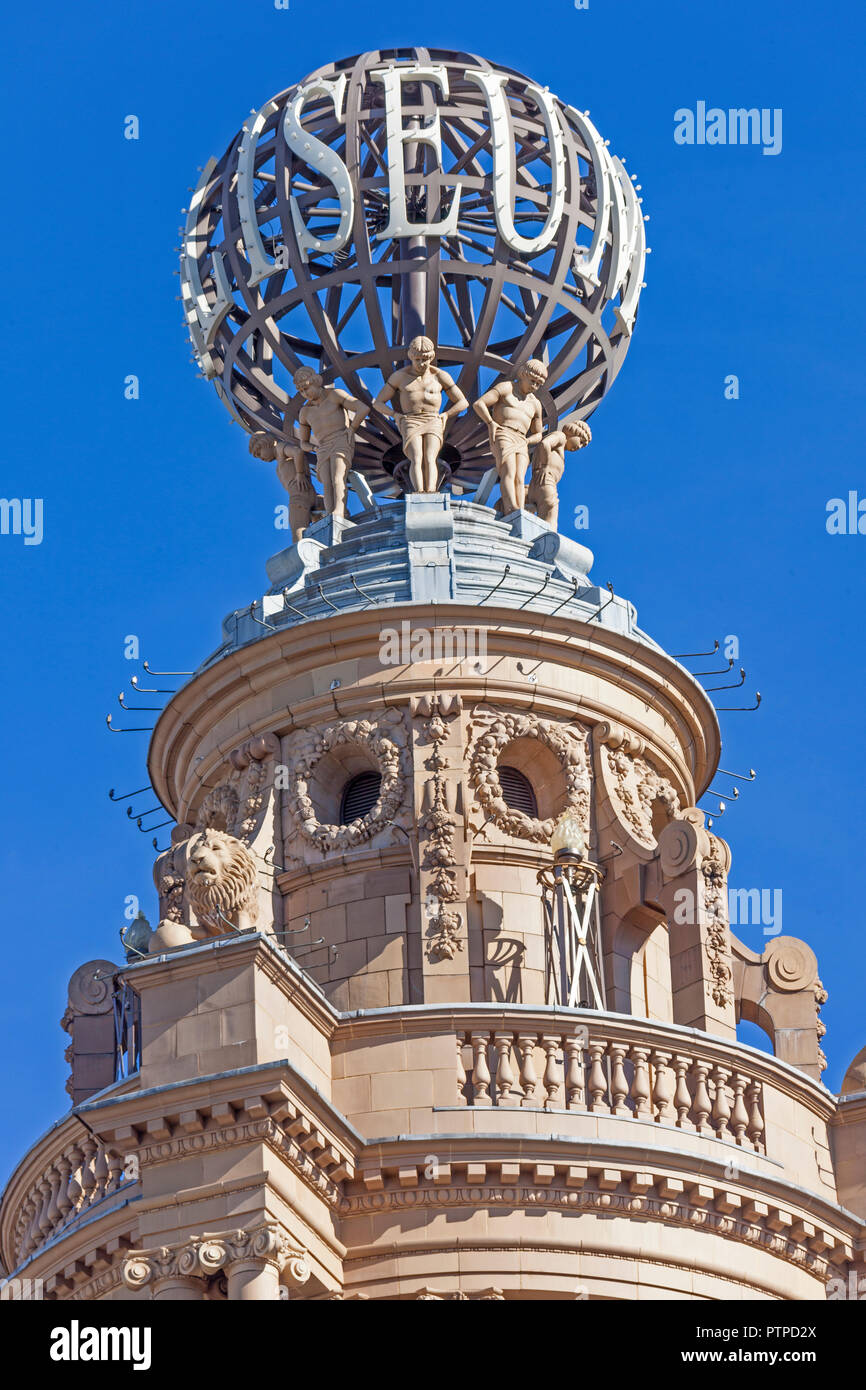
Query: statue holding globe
[
  {"x": 548, "y": 466},
  {"x": 532, "y": 249},
  {"x": 418, "y": 390},
  {"x": 514, "y": 419},
  {"x": 294, "y": 474},
  {"x": 328, "y": 421}
]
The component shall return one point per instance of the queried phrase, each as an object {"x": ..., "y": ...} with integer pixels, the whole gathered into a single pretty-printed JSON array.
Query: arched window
[
  {"x": 359, "y": 796},
  {"x": 517, "y": 791}
]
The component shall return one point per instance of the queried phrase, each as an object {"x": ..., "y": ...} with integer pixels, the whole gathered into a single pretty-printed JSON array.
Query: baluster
[
  {"x": 74, "y": 1189},
  {"x": 682, "y": 1098},
  {"x": 756, "y": 1119},
  {"x": 64, "y": 1204},
  {"x": 597, "y": 1078},
  {"x": 574, "y": 1073},
  {"x": 29, "y": 1236},
  {"x": 504, "y": 1073},
  {"x": 528, "y": 1076},
  {"x": 663, "y": 1087},
  {"x": 42, "y": 1222},
  {"x": 552, "y": 1074},
  {"x": 53, "y": 1210},
  {"x": 640, "y": 1090},
  {"x": 619, "y": 1081},
  {"x": 721, "y": 1103},
  {"x": 480, "y": 1070},
  {"x": 461, "y": 1073},
  {"x": 88, "y": 1177},
  {"x": 701, "y": 1105},
  {"x": 115, "y": 1162},
  {"x": 34, "y": 1235},
  {"x": 739, "y": 1113},
  {"x": 100, "y": 1172}
]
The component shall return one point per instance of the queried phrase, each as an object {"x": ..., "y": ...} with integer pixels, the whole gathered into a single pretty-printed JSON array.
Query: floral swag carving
[
  {"x": 567, "y": 742},
  {"x": 718, "y": 947},
  {"x": 385, "y": 740},
  {"x": 438, "y": 821},
  {"x": 636, "y": 785}
]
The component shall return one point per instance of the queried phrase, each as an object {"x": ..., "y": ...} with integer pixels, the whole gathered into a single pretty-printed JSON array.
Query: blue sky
[{"x": 709, "y": 514}]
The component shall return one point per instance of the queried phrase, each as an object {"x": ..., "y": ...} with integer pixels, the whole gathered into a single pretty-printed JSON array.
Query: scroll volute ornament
[
  {"x": 89, "y": 1021},
  {"x": 684, "y": 843}
]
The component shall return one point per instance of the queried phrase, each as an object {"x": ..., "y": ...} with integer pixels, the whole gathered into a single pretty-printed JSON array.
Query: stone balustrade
[
  {"x": 594, "y": 1068},
  {"x": 84, "y": 1174}
]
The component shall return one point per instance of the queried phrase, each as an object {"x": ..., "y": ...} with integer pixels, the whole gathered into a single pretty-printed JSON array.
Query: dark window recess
[
  {"x": 517, "y": 791},
  {"x": 359, "y": 796}
]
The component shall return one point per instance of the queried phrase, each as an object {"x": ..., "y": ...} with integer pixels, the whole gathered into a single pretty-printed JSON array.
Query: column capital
[{"x": 203, "y": 1256}]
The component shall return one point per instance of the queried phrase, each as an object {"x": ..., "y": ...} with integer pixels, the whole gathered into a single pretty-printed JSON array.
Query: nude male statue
[
  {"x": 294, "y": 474},
  {"x": 548, "y": 466},
  {"x": 328, "y": 421},
  {"x": 418, "y": 389},
  {"x": 512, "y": 414}
]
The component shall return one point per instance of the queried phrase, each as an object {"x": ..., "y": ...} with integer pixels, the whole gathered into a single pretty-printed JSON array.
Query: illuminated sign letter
[
  {"x": 320, "y": 156},
  {"x": 492, "y": 83},
  {"x": 397, "y": 136}
]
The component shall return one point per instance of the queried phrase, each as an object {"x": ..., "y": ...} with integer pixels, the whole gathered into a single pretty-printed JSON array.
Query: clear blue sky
[{"x": 709, "y": 514}]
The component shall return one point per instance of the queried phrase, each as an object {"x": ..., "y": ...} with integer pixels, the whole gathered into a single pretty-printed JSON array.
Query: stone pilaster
[{"x": 438, "y": 760}]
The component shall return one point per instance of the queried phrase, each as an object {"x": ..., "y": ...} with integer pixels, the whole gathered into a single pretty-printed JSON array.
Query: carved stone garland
[
  {"x": 384, "y": 739},
  {"x": 567, "y": 742},
  {"x": 439, "y": 825},
  {"x": 638, "y": 786},
  {"x": 714, "y": 874}
]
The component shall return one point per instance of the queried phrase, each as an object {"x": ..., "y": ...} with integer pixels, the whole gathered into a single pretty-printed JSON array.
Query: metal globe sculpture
[{"x": 403, "y": 192}]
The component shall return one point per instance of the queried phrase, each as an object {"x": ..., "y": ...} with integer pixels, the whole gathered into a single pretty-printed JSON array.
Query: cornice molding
[{"x": 644, "y": 672}]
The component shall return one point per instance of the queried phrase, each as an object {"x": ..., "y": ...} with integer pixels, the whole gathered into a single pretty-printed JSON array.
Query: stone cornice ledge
[
  {"x": 472, "y": 1170},
  {"x": 252, "y": 948}
]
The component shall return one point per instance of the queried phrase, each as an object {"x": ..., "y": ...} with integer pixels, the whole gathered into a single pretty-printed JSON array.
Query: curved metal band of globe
[{"x": 261, "y": 298}]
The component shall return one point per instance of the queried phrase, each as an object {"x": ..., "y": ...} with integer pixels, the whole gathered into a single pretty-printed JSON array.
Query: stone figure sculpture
[
  {"x": 512, "y": 413},
  {"x": 328, "y": 422},
  {"x": 418, "y": 411},
  {"x": 294, "y": 473},
  {"x": 548, "y": 466}
]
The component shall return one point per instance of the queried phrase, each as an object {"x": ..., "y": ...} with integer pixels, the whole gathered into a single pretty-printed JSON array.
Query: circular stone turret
[{"x": 434, "y": 645}]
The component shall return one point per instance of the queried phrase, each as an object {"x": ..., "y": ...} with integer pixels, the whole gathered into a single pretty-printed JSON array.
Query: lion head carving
[{"x": 221, "y": 881}]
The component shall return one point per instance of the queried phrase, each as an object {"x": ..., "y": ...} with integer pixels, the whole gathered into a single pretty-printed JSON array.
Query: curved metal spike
[
  {"x": 129, "y": 795},
  {"x": 111, "y": 728},
  {"x": 726, "y": 708},
  {"x": 735, "y": 686},
  {"x": 681, "y": 656},
  {"x": 722, "y": 671},
  {"x": 148, "y": 690},
  {"x": 497, "y": 585},
  {"x": 601, "y": 609},
  {"x": 166, "y": 673},
  {"x": 136, "y": 709}
]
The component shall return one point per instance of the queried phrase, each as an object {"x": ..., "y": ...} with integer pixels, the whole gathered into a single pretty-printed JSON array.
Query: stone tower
[
  {"x": 442, "y": 1000},
  {"x": 364, "y": 1093}
]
